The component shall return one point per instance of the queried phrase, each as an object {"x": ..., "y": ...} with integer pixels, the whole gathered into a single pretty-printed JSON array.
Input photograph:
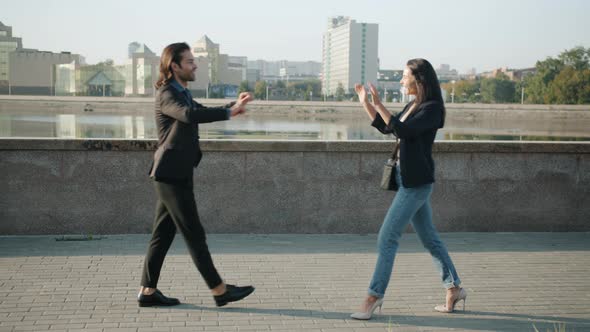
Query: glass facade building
[{"x": 8, "y": 44}]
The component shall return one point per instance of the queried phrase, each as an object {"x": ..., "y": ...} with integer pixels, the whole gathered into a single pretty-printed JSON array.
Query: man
[{"x": 177, "y": 119}]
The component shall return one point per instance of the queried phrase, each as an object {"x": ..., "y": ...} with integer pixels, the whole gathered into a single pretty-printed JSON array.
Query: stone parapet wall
[{"x": 101, "y": 186}]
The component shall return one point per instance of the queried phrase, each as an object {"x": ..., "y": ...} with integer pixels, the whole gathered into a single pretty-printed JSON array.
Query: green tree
[
  {"x": 577, "y": 57},
  {"x": 538, "y": 84},
  {"x": 389, "y": 97},
  {"x": 560, "y": 80},
  {"x": 244, "y": 87},
  {"x": 280, "y": 85},
  {"x": 217, "y": 91},
  {"x": 106, "y": 63},
  {"x": 308, "y": 92},
  {"x": 498, "y": 89},
  {"x": 340, "y": 92},
  {"x": 518, "y": 90},
  {"x": 260, "y": 90},
  {"x": 300, "y": 89},
  {"x": 465, "y": 91},
  {"x": 571, "y": 86}
]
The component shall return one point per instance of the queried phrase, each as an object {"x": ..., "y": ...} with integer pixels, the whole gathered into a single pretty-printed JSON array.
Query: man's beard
[{"x": 188, "y": 77}]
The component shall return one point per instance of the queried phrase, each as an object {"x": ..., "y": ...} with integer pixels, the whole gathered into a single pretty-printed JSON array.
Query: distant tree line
[
  {"x": 294, "y": 90},
  {"x": 561, "y": 80}
]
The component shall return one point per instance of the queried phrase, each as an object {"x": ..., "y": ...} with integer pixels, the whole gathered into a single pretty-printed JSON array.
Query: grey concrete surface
[
  {"x": 132, "y": 105},
  {"x": 515, "y": 282},
  {"x": 101, "y": 187}
]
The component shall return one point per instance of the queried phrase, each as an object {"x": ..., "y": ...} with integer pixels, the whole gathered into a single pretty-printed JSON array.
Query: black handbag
[{"x": 388, "y": 180}]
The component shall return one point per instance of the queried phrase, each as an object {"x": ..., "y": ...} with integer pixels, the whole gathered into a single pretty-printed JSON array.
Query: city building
[
  {"x": 230, "y": 73},
  {"x": 238, "y": 66},
  {"x": 388, "y": 84},
  {"x": 141, "y": 70},
  {"x": 104, "y": 79},
  {"x": 265, "y": 68},
  {"x": 223, "y": 75},
  {"x": 272, "y": 71},
  {"x": 34, "y": 72},
  {"x": 201, "y": 83},
  {"x": 446, "y": 74},
  {"x": 350, "y": 54},
  {"x": 8, "y": 44},
  {"x": 252, "y": 75},
  {"x": 512, "y": 74},
  {"x": 470, "y": 74},
  {"x": 206, "y": 48},
  {"x": 299, "y": 71},
  {"x": 132, "y": 48}
]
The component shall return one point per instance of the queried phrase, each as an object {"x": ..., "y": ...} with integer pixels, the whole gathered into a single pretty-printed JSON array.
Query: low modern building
[
  {"x": 271, "y": 71},
  {"x": 141, "y": 70},
  {"x": 224, "y": 73},
  {"x": 512, "y": 74},
  {"x": 34, "y": 72},
  {"x": 252, "y": 75},
  {"x": 389, "y": 86},
  {"x": 199, "y": 87},
  {"x": 206, "y": 48},
  {"x": 8, "y": 44},
  {"x": 446, "y": 74},
  {"x": 238, "y": 65},
  {"x": 100, "y": 80}
]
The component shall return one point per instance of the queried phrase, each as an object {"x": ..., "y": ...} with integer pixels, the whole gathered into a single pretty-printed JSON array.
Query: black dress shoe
[
  {"x": 156, "y": 299},
  {"x": 232, "y": 294}
]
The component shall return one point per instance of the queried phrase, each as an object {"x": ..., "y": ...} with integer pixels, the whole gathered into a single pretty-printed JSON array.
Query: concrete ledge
[
  {"x": 293, "y": 145},
  {"x": 101, "y": 186},
  {"x": 282, "y": 103}
]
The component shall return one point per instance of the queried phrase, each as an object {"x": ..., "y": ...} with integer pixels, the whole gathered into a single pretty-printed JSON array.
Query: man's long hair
[
  {"x": 428, "y": 87},
  {"x": 171, "y": 54}
]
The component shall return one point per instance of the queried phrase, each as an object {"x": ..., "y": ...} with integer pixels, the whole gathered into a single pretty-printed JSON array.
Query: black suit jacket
[
  {"x": 177, "y": 120},
  {"x": 416, "y": 136}
]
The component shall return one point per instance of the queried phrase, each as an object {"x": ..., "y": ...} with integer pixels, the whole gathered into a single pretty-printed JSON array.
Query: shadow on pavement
[
  {"x": 18, "y": 246},
  {"x": 472, "y": 320}
]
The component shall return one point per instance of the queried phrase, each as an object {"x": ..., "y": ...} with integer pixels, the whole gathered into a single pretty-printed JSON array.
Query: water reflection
[
  {"x": 74, "y": 126},
  {"x": 325, "y": 127}
]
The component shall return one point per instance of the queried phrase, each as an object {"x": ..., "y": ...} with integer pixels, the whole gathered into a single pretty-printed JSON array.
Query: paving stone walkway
[{"x": 516, "y": 281}]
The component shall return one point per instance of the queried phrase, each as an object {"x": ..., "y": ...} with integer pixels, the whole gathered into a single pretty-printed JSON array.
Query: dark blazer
[
  {"x": 177, "y": 120},
  {"x": 416, "y": 136}
]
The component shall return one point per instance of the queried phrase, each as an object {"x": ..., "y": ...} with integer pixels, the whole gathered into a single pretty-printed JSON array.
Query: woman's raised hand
[{"x": 361, "y": 92}]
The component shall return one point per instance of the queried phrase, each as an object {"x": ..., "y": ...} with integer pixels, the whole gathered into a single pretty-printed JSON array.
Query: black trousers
[{"x": 176, "y": 209}]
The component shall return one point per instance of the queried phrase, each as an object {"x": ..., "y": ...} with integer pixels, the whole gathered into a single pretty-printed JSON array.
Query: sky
[{"x": 462, "y": 33}]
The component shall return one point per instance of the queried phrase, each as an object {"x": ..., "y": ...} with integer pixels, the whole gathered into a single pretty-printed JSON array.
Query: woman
[{"x": 416, "y": 128}]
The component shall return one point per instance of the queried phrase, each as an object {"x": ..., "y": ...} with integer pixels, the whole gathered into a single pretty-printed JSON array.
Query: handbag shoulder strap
[{"x": 395, "y": 150}]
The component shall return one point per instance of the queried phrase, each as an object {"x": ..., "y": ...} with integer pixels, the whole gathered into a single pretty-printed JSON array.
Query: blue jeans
[{"x": 410, "y": 204}]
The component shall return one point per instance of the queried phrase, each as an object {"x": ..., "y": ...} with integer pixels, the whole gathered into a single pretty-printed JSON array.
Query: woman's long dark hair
[
  {"x": 172, "y": 53},
  {"x": 428, "y": 87}
]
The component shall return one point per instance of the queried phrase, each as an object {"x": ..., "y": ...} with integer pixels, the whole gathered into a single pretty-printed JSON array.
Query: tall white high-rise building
[{"x": 350, "y": 54}]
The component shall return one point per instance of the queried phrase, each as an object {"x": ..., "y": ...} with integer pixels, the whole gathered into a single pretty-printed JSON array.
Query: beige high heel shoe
[
  {"x": 367, "y": 315},
  {"x": 461, "y": 296}
]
